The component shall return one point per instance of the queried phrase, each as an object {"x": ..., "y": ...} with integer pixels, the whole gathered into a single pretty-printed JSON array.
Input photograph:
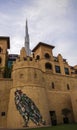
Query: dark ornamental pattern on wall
[{"x": 27, "y": 108}]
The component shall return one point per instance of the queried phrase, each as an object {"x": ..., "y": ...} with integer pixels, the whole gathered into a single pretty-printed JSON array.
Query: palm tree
[{"x": 66, "y": 112}]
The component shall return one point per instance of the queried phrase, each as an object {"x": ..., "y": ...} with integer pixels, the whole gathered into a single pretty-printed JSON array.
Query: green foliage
[
  {"x": 1, "y": 72},
  {"x": 66, "y": 112},
  {"x": 7, "y": 72},
  {"x": 58, "y": 127},
  {"x": 1, "y": 69}
]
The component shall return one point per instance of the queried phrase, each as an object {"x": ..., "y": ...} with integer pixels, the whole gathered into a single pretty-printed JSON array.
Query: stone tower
[{"x": 27, "y": 77}]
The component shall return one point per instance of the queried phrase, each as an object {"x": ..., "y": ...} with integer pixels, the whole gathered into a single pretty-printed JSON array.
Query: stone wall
[{"x": 5, "y": 85}]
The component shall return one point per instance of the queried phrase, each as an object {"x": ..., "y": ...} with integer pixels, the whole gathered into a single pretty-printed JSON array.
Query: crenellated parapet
[
  {"x": 27, "y": 71},
  {"x": 26, "y": 62}
]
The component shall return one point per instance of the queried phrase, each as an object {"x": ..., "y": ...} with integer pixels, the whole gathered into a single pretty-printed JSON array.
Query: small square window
[
  {"x": 66, "y": 71},
  {"x": 75, "y": 71},
  {"x": 57, "y": 69},
  {"x": 3, "y": 114}
]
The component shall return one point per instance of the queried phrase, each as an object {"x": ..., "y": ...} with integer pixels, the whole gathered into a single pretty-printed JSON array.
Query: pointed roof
[
  {"x": 26, "y": 44},
  {"x": 43, "y": 44},
  {"x": 26, "y": 31},
  {"x": 8, "y": 40}
]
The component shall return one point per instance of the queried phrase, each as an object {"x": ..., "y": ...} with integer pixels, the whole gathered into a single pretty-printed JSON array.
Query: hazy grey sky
[{"x": 50, "y": 21}]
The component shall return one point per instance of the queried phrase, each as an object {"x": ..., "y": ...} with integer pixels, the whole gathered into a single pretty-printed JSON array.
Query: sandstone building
[{"x": 48, "y": 80}]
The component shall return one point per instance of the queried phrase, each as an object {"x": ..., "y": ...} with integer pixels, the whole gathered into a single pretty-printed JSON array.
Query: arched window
[
  {"x": 0, "y": 60},
  {"x": 48, "y": 66},
  {"x": 47, "y": 56},
  {"x": 37, "y": 57}
]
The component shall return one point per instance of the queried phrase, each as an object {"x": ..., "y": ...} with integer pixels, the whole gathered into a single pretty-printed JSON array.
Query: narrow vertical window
[
  {"x": 68, "y": 87},
  {"x": 0, "y": 49},
  {"x": 0, "y": 60},
  {"x": 53, "y": 85}
]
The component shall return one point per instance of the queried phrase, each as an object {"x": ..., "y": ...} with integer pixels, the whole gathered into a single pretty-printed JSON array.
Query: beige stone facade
[{"x": 48, "y": 80}]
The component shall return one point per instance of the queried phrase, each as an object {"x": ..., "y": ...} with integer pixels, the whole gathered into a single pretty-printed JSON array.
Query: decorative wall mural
[{"x": 27, "y": 108}]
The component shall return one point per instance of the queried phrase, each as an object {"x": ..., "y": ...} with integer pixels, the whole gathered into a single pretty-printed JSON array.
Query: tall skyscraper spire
[{"x": 27, "y": 40}]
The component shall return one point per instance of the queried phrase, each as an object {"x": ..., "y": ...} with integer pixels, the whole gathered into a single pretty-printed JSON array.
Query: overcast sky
[{"x": 51, "y": 21}]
